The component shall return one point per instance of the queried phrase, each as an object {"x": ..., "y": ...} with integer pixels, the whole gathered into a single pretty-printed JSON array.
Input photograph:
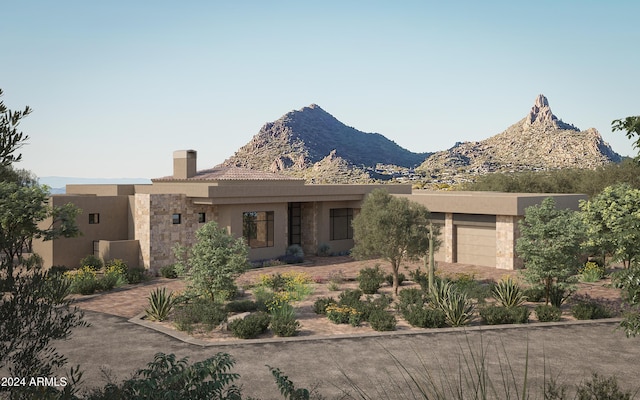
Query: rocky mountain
[
  {"x": 313, "y": 144},
  {"x": 539, "y": 141}
]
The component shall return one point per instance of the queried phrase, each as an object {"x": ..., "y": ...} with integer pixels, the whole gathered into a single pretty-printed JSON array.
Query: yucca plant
[
  {"x": 508, "y": 293},
  {"x": 440, "y": 292},
  {"x": 160, "y": 304},
  {"x": 457, "y": 308}
]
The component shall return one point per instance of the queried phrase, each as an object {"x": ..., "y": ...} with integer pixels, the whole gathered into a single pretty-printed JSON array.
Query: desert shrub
[
  {"x": 401, "y": 278},
  {"x": 240, "y": 306},
  {"x": 628, "y": 280},
  {"x": 591, "y": 272},
  {"x": 380, "y": 320},
  {"x": 293, "y": 255},
  {"x": 558, "y": 295},
  {"x": 320, "y": 305},
  {"x": 83, "y": 280},
  {"x": 425, "y": 317},
  {"x": 91, "y": 261},
  {"x": 116, "y": 265},
  {"x": 57, "y": 288},
  {"x": 369, "y": 305},
  {"x": 136, "y": 275},
  {"x": 534, "y": 293},
  {"x": 497, "y": 315},
  {"x": 370, "y": 279},
  {"x": 350, "y": 297},
  {"x": 324, "y": 250},
  {"x": 589, "y": 309},
  {"x": 343, "y": 315},
  {"x": 263, "y": 297},
  {"x": 199, "y": 311},
  {"x": 421, "y": 278},
  {"x": 410, "y": 298},
  {"x": 108, "y": 281},
  {"x": 169, "y": 271},
  {"x": 334, "y": 287},
  {"x": 508, "y": 293},
  {"x": 600, "y": 388},
  {"x": 250, "y": 326},
  {"x": 548, "y": 313},
  {"x": 160, "y": 304},
  {"x": 58, "y": 270},
  {"x": 283, "y": 321}
]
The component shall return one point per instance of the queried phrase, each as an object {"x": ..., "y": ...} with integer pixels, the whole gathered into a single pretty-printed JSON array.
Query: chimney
[{"x": 184, "y": 164}]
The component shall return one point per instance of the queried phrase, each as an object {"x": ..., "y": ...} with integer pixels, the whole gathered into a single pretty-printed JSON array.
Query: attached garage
[
  {"x": 476, "y": 245},
  {"x": 475, "y": 239}
]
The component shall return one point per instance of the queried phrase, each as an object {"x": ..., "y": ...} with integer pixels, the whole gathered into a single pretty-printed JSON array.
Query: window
[
  {"x": 257, "y": 228},
  {"x": 340, "y": 223},
  {"x": 202, "y": 218},
  {"x": 94, "y": 218},
  {"x": 177, "y": 219}
]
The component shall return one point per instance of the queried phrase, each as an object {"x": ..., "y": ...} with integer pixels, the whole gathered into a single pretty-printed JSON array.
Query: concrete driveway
[{"x": 569, "y": 352}]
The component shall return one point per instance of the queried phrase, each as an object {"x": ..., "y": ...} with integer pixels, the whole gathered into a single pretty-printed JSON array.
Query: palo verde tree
[
  {"x": 213, "y": 263},
  {"x": 612, "y": 221},
  {"x": 550, "y": 245},
  {"x": 34, "y": 310},
  {"x": 632, "y": 127},
  {"x": 392, "y": 228}
]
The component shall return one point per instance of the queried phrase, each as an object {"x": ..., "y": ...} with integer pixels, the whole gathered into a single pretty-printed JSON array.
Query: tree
[
  {"x": 10, "y": 138},
  {"x": 34, "y": 310},
  {"x": 632, "y": 126},
  {"x": 612, "y": 221},
  {"x": 549, "y": 244},
  {"x": 392, "y": 228},
  {"x": 213, "y": 263}
]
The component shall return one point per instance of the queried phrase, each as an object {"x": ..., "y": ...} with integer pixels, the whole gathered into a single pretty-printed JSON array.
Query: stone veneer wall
[
  {"x": 507, "y": 233},
  {"x": 309, "y": 215},
  {"x": 448, "y": 238},
  {"x": 155, "y": 229}
]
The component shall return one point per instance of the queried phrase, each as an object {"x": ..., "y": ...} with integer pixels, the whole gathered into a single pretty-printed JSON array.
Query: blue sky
[{"x": 117, "y": 86}]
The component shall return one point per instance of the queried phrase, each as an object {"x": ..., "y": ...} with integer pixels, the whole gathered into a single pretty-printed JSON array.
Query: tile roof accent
[{"x": 222, "y": 173}]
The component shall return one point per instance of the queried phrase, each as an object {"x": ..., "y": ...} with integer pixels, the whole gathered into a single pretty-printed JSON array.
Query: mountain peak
[{"x": 541, "y": 115}]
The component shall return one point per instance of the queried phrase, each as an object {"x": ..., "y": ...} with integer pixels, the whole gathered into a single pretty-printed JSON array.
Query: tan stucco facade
[{"x": 143, "y": 223}]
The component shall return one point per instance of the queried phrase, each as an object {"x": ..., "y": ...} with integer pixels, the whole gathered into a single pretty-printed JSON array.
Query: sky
[{"x": 117, "y": 86}]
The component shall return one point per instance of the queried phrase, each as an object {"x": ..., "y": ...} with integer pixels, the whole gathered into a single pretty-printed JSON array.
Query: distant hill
[
  {"x": 313, "y": 144},
  {"x": 539, "y": 141},
  {"x": 58, "y": 183}
]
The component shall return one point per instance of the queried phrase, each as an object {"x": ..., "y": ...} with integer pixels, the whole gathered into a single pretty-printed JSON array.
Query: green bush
[
  {"x": 508, "y": 293},
  {"x": 343, "y": 315},
  {"x": 367, "y": 306},
  {"x": 401, "y": 278},
  {"x": 534, "y": 294},
  {"x": 320, "y": 305},
  {"x": 410, "y": 298},
  {"x": 108, "y": 281},
  {"x": 160, "y": 304},
  {"x": 497, "y": 315},
  {"x": 169, "y": 271},
  {"x": 589, "y": 309},
  {"x": 548, "y": 313},
  {"x": 591, "y": 272},
  {"x": 600, "y": 388},
  {"x": 250, "y": 326},
  {"x": 136, "y": 275},
  {"x": 350, "y": 297},
  {"x": 425, "y": 317},
  {"x": 94, "y": 262},
  {"x": 199, "y": 311},
  {"x": 381, "y": 320},
  {"x": 57, "y": 288},
  {"x": 263, "y": 297},
  {"x": 283, "y": 321},
  {"x": 370, "y": 279},
  {"x": 240, "y": 306},
  {"x": 558, "y": 295},
  {"x": 83, "y": 280},
  {"x": 421, "y": 278}
]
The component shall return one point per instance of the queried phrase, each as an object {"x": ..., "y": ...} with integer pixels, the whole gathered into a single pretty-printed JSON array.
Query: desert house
[{"x": 141, "y": 224}]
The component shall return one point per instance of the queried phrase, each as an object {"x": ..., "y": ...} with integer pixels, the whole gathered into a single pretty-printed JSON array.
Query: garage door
[{"x": 476, "y": 245}]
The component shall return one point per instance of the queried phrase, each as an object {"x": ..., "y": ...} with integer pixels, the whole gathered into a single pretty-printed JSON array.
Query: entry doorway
[{"x": 295, "y": 223}]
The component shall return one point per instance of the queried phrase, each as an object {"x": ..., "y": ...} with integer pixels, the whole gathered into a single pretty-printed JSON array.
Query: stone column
[
  {"x": 506, "y": 235},
  {"x": 448, "y": 238}
]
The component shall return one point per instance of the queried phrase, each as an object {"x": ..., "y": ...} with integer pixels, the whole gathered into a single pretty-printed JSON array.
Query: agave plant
[
  {"x": 160, "y": 304},
  {"x": 440, "y": 292},
  {"x": 508, "y": 293}
]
